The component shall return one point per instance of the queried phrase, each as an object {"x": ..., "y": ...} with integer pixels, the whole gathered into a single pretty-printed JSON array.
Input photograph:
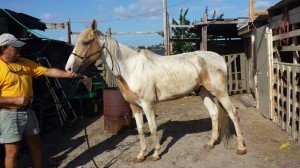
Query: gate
[
  {"x": 263, "y": 52},
  {"x": 286, "y": 97},
  {"x": 237, "y": 76}
]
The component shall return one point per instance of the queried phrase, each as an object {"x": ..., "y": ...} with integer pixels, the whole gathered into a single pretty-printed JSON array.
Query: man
[{"x": 16, "y": 120}]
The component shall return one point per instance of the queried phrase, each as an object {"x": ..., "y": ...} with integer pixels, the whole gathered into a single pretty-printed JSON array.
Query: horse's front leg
[
  {"x": 138, "y": 115},
  {"x": 149, "y": 112}
]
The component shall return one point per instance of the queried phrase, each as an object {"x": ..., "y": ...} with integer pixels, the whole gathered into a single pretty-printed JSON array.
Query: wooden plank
[
  {"x": 278, "y": 94},
  {"x": 182, "y": 26},
  {"x": 235, "y": 75},
  {"x": 204, "y": 34},
  {"x": 295, "y": 42},
  {"x": 231, "y": 58},
  {"x": 287, "y": 48},
  {"x": 292, "y": 33},
  {"x": 282, "y": 97},
  {"x": 294, "y": 85},
  {"x": 57, "y": 25},
  {"x": 243, "y": 65},
  {"x": 288, "y": 110},
  {"x": 229, "y": 76}
]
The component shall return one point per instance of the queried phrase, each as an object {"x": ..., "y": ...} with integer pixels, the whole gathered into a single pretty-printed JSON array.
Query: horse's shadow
[
  {"x": 178, "y": 129},
  {"x": 174, "y": 129}
]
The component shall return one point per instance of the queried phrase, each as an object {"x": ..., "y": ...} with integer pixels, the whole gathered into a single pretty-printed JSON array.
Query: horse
[{"x": 145, "y": 78}]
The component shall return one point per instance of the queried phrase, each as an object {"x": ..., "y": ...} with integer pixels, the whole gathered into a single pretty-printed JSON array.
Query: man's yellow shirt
[{"x": 16, "y": 78}]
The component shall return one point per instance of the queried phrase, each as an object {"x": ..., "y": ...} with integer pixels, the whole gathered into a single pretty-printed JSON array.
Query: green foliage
[{"x": 181, "y": 33}]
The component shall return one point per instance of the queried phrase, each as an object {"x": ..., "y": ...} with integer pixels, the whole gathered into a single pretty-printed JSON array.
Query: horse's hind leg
[
  {"x": 225, "y": 101},
  {"x": 213, "y": 112},
  {"x": 138, "y": 115},
  {"x": 149, "y": 112}
]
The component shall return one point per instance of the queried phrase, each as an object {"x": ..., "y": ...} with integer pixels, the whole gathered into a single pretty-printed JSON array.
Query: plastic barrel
[{"x": 117, "y": 112}]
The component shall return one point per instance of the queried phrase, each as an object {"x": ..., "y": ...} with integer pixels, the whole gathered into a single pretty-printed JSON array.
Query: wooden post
[
  {"x": 69, "y": 31},
  {"x": 203, "y": 45},
  {"x": 251, "y": 10},
  {"x": 168, "y": 35},
  {"x": 165, "y": 27}
]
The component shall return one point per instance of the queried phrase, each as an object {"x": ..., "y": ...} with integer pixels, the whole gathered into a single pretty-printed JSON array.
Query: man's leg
[
  {"x": 34, "y": 145},
  {"x": 11, "y": 154}
]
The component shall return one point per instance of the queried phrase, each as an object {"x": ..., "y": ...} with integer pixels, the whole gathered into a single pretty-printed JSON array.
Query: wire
[{"x": 135, "y": 16}]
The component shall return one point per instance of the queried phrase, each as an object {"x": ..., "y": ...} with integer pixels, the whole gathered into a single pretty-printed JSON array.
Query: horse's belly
[{"x": 175, "y": 90}]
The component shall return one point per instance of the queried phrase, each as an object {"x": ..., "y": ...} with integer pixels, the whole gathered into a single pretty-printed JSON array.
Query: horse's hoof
[
  {"x": 241, "y": 151},
  {"x": 153, "y": 158},
  {"x": 138, "y": 160},
  {"x": 208, "y": 147}
]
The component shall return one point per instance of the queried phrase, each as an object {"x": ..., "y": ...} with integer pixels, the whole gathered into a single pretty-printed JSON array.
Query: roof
[
  {"x": 217, "y": 27},
  {"x": 276, "y": 9},
  {"x": 280, "y": 6},
  {"x": 28, "y": 21}
]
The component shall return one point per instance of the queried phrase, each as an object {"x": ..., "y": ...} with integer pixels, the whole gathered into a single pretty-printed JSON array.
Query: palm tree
[{"x": 180, "y": 33}]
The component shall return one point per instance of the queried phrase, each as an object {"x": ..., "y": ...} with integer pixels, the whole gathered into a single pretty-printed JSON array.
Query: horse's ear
[{"x": 94, "y": 25}]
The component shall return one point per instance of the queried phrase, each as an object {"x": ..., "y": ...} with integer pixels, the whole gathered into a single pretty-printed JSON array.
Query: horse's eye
[{"x": 86, "y": 42}]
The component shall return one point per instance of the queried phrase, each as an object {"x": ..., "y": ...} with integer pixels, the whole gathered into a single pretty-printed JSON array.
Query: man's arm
[
  {"x": 57, "y": 73},
  {"x": 20, "y": 101}
]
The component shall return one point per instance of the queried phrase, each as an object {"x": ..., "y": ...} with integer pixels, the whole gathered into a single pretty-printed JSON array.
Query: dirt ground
[{"x": 184, "y": 127}]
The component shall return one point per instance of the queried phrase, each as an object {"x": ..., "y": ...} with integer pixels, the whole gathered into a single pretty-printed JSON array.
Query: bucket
[{"x": 117, "y": 112}]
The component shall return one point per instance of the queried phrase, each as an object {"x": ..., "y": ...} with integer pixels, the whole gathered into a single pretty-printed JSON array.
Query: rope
[
  {"x": 27, "y": 29},
  {"x": 284, "y": 29},
  {"x": 125, "y": 148}
]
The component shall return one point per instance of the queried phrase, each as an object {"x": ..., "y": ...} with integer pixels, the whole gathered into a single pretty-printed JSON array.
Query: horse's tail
[{"x": 223, "y": 122}]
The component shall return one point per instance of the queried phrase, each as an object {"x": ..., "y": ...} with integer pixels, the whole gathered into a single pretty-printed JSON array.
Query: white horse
[{"x": 144, "y": 79}]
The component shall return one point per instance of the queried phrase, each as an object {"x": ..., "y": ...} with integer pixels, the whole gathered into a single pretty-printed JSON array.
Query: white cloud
[
  {"x": 121, "y": 12},
  {"x": 102, "y": 8},
  {"x": 262, "y": 4},
  {"x": 139, "y": 7},
  {"x": 46, "y": 16}
]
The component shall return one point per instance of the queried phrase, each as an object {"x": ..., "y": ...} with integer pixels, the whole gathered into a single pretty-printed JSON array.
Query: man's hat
[{"x": 9, "y": 39}]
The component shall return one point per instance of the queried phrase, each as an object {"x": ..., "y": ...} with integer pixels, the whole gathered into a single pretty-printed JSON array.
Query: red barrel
[{"x": 117, "y": 112}]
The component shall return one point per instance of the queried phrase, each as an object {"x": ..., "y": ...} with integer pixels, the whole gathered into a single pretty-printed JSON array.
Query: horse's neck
[{"x": 118, "y": 56}]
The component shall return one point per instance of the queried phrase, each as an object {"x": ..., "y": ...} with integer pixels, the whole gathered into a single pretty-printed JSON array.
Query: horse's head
[{"x": 86, "y": 51}]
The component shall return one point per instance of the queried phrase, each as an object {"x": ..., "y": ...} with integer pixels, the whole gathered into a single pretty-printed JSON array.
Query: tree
[{"x": 179, "y": 33}]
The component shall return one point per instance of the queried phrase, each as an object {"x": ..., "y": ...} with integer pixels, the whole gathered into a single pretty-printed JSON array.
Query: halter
[{"x": 86, "y": 57}]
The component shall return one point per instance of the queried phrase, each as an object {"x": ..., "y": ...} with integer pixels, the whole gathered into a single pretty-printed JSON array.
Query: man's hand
[
  {"x": 87, "y": 82},
  {"x": 75, "y": 75}
]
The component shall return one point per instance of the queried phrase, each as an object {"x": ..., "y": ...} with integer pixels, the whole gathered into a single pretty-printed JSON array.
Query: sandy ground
[{"x": 184, "y": 127}]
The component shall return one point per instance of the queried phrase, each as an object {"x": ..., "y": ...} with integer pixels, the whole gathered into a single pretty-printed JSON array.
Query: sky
[{"x": 125, "y": 15}]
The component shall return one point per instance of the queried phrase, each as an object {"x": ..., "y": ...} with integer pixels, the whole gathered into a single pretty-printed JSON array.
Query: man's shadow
[{"x": 106, "y": 145}]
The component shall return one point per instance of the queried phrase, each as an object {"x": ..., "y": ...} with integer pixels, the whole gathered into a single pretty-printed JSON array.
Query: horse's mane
[{"x": 114, "y": 47}]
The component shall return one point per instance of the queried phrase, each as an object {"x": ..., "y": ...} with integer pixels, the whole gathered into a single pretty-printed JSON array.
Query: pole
[
  {"x": 165, "y": 27},
  {"x": 251, "y": 10},
  {"x": 69, "y": 31},
  {"x": 204, "y": 34}
]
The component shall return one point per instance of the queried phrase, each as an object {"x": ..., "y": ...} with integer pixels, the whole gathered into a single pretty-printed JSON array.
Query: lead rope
[{"x": 112, "y": 161}]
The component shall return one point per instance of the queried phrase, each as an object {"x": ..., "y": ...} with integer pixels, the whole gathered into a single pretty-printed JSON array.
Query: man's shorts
[{"x": 14, "y": 124}]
